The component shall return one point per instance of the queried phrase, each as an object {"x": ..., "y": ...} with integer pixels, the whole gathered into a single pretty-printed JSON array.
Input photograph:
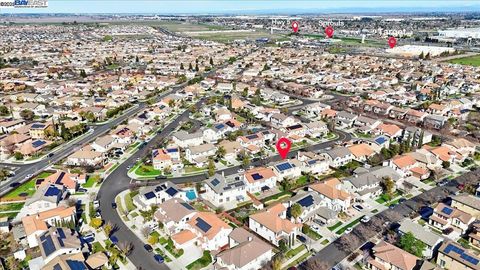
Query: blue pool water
[{"x": 191, "y": 194}]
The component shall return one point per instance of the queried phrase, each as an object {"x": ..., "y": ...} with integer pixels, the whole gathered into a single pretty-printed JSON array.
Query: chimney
[{"x": 250, "y": 239}]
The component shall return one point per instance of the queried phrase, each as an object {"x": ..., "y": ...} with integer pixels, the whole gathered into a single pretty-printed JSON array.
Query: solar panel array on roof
[
  {"x": 57, "y": 267},
  {"x": 60, "y": 178},
  {"x": 160, "y": 187},
  {"x": 251, "y": 137},
  {"x": 380, "y": 140},
  {"x": 47, "y": 244},
  {"x": 257, "y": 176},
  {"x": 219, "y": 126},
  {"x": 462, "y": 254},
  {"x": 447, "y": 210},
  {"x": 312, "y": 161},
  {"x": 38, "y": 143},
  {"x": 149, "y": 195},
  {"x": 188, "y": 206},
  {"x": 52, "y": 191},
  {"x": 171, "y": 191},
  {"x": 307, "y": 201},
  {"x": 215, "y": 182},
  {"x": 294, "y": 127},
  {"x": 230, "y": 124},
  {"x": 61, "y": 233},
  {"x": 284, "y": 166},
  {"x": 172, "y": 150},
  {"x": 204, "y": 226},
  {"x": 38, "y": 125},
  {"x": 76, "y": 265}
]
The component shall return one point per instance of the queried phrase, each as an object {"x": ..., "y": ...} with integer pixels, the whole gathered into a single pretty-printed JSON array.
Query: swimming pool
[{"x": 191, "y": 194}]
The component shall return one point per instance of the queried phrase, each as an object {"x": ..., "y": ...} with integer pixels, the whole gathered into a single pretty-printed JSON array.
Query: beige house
[
  {"x": 387, "y": 256},
  {"x": 453, "y": 256}
]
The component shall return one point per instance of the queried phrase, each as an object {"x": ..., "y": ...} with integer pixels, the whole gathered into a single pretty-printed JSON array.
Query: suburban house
[
  {"x": 309, "y": 201},
  {"x": 154, "y": 195},
  {"x": 288, "y": 168},
  {"x": 58, "y": 241},
  {"x": 69, "y": 180},
  {"x": 225, "y": 191},
  {"x": 246, "y": 252},
  {"x": 366, "y": 183},
  {"x": 388, "y": 256},
  {"x": 453, "y": 256},
  {"x": 467, "y": 203},
  {"x": 338, "y": 156},
  {"x": 260, "y": 179},
  {"x": 313, "y": 162},
  {"x": 199, "y": 154},
  {"x": 210, "y": 232},
  {"x": 361, "y": 152},
  {"x": 431, "y": 240},
  {"x": 174, "y": 215},
  {"x": 184, "y": 139},
  {"x": 46, "y": 198},
  {"x": 333, "y": 194},
  {"x": 445, "y": 216},
  {"x": 86, "y": 158},
  {"x": 272, "y": 224}
]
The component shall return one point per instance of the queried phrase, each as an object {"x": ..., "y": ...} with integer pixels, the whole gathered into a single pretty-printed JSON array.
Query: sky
[{"x": 248, "y": 6}]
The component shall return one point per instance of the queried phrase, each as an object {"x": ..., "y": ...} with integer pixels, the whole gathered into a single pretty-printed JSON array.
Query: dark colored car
[
  {"x": 14, "y": 184},
  {"x": 402, "y": 200},
  {"x": 392, "y": 206},
  {"x": 148, "y": 247},
  {"x": 301, "y": 238},
  {"x": 161, "y": 177},
  {"x": 158, "y": 258},
  {"x": 114, "y": 239},
  {"x": 50, "y": 155},
  {"x": 448, "y": 231},
  {"x": 114, "y": 205}
]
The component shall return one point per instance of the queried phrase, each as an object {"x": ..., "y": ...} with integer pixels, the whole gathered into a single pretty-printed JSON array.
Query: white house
[{"x": 260, "y": 179}]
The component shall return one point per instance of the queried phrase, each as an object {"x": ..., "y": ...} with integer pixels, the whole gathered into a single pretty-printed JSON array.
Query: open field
[
  {"x": 226, "y": 36},
  {"x": 353, "y": 41},
  {"x": 470, "y": 61}
]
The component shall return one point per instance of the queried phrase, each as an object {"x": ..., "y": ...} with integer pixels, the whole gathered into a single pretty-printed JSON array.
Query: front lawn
[
  {"x": 147, "y": 170},
  {"x": 92, "y": 179},
  {"x": 11, "y": 207},
  {"x": 129, "y": 202},
  {"x": 334, "y": 227},
  {"x": 351, "y": 224},
  {"x": 292, "y": 252},
  {"x": 202, "y": 262}
]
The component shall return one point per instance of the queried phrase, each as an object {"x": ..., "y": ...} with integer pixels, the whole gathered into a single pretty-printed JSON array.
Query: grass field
[
  {"x": 11, "y": 207},
  {"x": 27, "y": 188},
  {"x": 231, "y": 36},
  {"x": 147, "y": 170},
  {"x": 470, "y": 61},
  {"x": 205, "y": 260},
  {"x": 353, "y": 41}
]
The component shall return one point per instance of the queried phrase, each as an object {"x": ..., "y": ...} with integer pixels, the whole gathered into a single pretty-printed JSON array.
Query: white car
[
  {"x": 241, "y": 170},
  {"x": 365, "y": 219},
  {"x": 348, "y": 230},
  {"x": 96, "y": 204}
]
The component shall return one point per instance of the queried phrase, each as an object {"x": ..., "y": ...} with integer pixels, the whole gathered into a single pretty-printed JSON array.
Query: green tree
[
  {"x": 18, "y": 156},
  {"x": 245, "y": 160},
  {"x": 153, "y": 239},
  {"x": 388, "y": 185},
  {"x": 27, "y": 114},
  {"x": 411, "y": 244},
  {"x": 96, "y": 222},
  {"x": 211, "y": 61},
  {"x": 420, "y": 139},
  {"x": 190, "y": 67},
  {"x": 446, "y": 164},
  {"x": 83, "y": 74},
  {"x": 181, "y": 66},
  {"x": 107, "y": 228},
  {"x": 245, "y": 92},
  {"x": 221, "y": 152},
  {"x": 296, "y": 210},
  {"x": 4, "y": 110},
  {"x": 211, "y": 168},
  {"x": 282, "y": 245}
]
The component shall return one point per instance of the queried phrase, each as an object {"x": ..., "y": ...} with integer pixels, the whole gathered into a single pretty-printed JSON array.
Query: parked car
[
  {"x": 114, "y": 205},
  {"x": 365, "y": 219},
  {"x": 114, "y": 239},
  {"x": 96, "y": 204},
  {"x": 301, "y": 238},
  {"x": 447, "y": 231},
  {"x": 84, "y": 190},
  {"x": 358, "y": 207},
  {"x": 160, "y": 177},
  {"x": 148, "y": 247},
  {"x": 402, "y": 200},
  {"x": 392, "y": 206},
  {"x": 241, "y": 170},
  {"x": 14, "y": 184},
  {"x": 348, "y": 230},
  {"x": 158, "y": 258}
]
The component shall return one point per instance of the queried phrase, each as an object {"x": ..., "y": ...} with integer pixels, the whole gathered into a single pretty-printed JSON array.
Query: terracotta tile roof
[
  {"x": 389, "y": 129},
  {"x": 361, "y": 150},
  {"x": 330, "y": 190},
  {"x": 395, "y": 256},
  {"x": 183, "y": 237},
  {"x": 403, "y": 161},
  {"x": 36, "y": 222},
  {"x": 270, "y": 219},
  {"x": 216, "y": 224},
  {"x": 261, "y": 173}
]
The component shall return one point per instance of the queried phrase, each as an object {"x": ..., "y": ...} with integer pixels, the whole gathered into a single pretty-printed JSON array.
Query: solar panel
[
  {"x": 48, "y": 246},
  {"x": 172, "y": 150},
  {"x": 57, "y": 267},
  {"x": 38, "y": 126},
  {"x": 313, "y": 161},
  {"x": 294, "y": 127},
  {"x": 38, "y": 143},
  {"x": 61, "y": 232},
  {"x": 380, "y": 140},
  {"x": 76, "y": 265},
  {"x": 284, "y": 166},
  {"x": 219, "y": 126},
  {"x": 447, "y": 210},
  {"x": 52, "y": 191},
  {"x": 60, "y": 178},
  {"x": 171, "y": 191},
  {"x": 462, "y": 254},
  {"x": 251, "y": 137},
  {"x": 307, "y": 201},
  {"x": 204, "y": 226},
  {"x": 257, "y": 176},
  {"x": 215, "y": 182},
  {"x": 230, "y": 124},
  {"x": 188, "y": 206},
  {"x": 149, "y": 195}
]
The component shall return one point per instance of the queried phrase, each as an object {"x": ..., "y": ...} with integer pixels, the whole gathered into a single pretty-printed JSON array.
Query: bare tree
[
  {"x": 348, "y": 242},
  {"x": 315, "y": 263},
  {"x": 125, "y": 247},
  {"x": 146, "y": 231}
]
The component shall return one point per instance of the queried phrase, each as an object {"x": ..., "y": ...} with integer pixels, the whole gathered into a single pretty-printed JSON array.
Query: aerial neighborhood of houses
[{"x": 129, "y": 146}]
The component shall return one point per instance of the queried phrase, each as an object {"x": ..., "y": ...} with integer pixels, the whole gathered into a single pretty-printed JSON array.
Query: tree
[
  {"x": 211, "y": 168},
  {"x": 286, "y": 183},
  {"x": 221, "y": 152},
  {"x": 181, "y": 66},
  {"x": 125, "y": 247},
  {"x": 296, "y": 210},
  {"x": 146, "y": 231},
  {"x": 4, "y": 110},
  {"x": 411, "y": 244},
  {"x": 190, "y": 67},
  {"x": 245, "y": 161},
  {"x": 153, "y": 239},
  {"x": 282, "y": 245},
  {"x": 167, "y": 170},
  {"x": 18, "y": 156},
  {"x": 420, "y": 139},
  {"x": 388, "y": 185},
  {"x": 211, "y": 61},
  {"x": 245, "y": 92},
  {"x": 96, "y": 222},
  {"x": 83, "y": 74},
  {"x": 107, "y": 228},
  {"x": 421, "y": 56},
  {"x": 27, "y": 114},
  {"x": 171, "y": 103},
  {"x": 445, "y": 164}
]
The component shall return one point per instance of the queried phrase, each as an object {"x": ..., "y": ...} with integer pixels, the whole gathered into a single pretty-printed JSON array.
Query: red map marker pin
[
  {"x": 329, "y": 31},
  {"x": 283, "y": 147},
  {"x": 392, "y": 41},
  {"x": 295, "y": 26}
]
